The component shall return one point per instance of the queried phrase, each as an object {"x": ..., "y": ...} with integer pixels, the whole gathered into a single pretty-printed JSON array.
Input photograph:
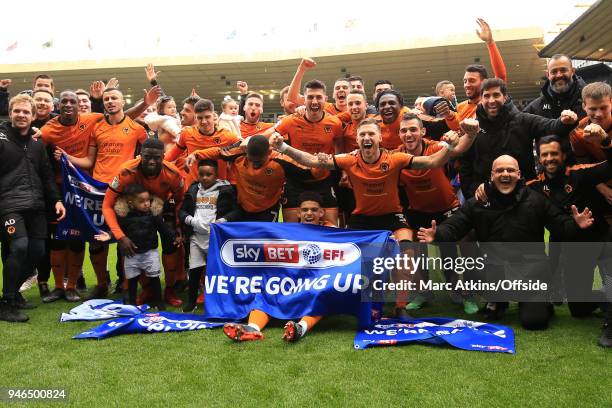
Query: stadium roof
[
  {"x": 414, "y": 67},
  {"x": 589, "y": 37}
]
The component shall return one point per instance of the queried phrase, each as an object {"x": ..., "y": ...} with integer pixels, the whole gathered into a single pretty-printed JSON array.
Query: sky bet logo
[{"x": 280, "y": 252}]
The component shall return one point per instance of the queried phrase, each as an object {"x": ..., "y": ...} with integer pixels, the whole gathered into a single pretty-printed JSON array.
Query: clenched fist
[{"x": 568, "y": 117}]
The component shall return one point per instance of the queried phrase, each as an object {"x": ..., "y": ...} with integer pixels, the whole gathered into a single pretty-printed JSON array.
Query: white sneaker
[{"x": 31, "y": 281}]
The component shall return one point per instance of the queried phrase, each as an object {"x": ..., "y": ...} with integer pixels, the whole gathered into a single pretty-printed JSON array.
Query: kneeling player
[{"x": 311, "y": 211}]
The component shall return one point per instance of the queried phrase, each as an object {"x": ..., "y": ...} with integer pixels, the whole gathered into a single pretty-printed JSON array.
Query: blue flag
[
  {"x": 462, "y": 334},
  {"x": 290, "y": 270},
  {"x": 83, "y": 197},
  {"x": 160, "y": 322},
  {"x": 101, "y": 309}
]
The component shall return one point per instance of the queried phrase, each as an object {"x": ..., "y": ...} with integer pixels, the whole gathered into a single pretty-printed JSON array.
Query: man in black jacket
[
  {"x": 516, "y": 214},
  {"x": 505, "y": 130},
  {"x": 562, "y": 90},
  {"x": 575, "y": 185},
  {"x": 26, "y": 186}
]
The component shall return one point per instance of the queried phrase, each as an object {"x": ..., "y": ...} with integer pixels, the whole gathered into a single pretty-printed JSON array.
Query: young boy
[
  {"x": 208, "y": 200},
  {"x": 139, "y": 217}
]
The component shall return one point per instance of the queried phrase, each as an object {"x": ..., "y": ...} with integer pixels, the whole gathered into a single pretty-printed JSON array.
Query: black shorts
[
  {"x": 27, "y": 224},
  {"x": 324, "y": 187},
  {"x": 346, "y": 199},
  {"x": 269, "y": 215},
  {"x": 418, "y": 219},
  {"x": 389, "y": 222}
]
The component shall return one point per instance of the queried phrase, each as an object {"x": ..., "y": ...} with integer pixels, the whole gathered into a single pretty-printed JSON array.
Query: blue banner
[
  {"x": 290, "y": 270},
  {"x": 160, "y": 322},
  {"x": 83, "y": 197},
  {"x": 462, "y": 334},
  {"x": 101, "y": 309}
]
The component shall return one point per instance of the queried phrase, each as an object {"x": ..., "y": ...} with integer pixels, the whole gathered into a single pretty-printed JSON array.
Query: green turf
[{"x": 560, "y": 367}]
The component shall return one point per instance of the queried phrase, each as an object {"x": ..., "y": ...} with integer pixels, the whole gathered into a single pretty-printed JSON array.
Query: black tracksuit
[
  {"x": 550, "y": 104},
  {"x": 27, "y": 190},
  {"x": 510, "y": 132},
  {"x": 520, "y": 218}
]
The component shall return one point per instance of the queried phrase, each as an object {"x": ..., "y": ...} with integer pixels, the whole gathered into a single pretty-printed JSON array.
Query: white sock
[
  {"x": 253, "y": 325},
  {"x": 304, "y": 327}
]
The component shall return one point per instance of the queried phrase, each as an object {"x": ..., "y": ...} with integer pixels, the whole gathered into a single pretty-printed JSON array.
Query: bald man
[{"x": 512, "y": 213}]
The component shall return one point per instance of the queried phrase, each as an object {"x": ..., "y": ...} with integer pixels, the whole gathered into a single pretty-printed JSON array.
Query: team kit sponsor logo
[{"x": 281, "y": 253}]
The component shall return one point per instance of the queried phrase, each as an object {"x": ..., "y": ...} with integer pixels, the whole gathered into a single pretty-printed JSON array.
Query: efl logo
[{"x": 280, "y": 252}]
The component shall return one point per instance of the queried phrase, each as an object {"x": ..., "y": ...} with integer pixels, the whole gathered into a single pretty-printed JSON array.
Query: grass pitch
[{"x": 562, "y": 366}]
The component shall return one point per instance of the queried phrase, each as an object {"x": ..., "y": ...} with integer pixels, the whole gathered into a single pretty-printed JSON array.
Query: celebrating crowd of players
[{"x": 346, "y": 163}]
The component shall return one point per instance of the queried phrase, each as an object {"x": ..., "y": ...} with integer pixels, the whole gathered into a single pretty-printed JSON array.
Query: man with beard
[
  {"x": 575, "y": 185},
  {"x": 513, "y": 213},
  {"x": 161, "y": 179},
  {"x": 374, "y": 175},
  {"x": 253, "y": 108},
  {"x": 561, "y": 90},
  {"x": 26, "y": 189},
  {"x": 317, "y": 131},
  {"x": 474, "y": 75},
  {"x": 188, "y": 117},
  {"x": 505, "y": 130}
]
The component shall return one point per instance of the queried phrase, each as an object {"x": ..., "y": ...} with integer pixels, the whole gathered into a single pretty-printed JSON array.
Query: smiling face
[
  {"x": 559, "y": 73},
  {"x": 505, "y": 174},
  {"x": 69, "y": 107},
  {"x": 368, "y": 140},
  {"x": 471, "y": 84},
  {"x": 411, "y": 133},
  {"x": 551, "y": 158},
  {"x": 389, "y": 108},
  {"x": 84, "y": 103},
  {"x": 206, "y": 122},
  {"x": 599, "y": 111},
  {"x": 492, "y": 100},
  {"x": 314, "y": 100},
  {"x": 311, "y": 212},
  {"x": 21, "y": 116},
  {"x": 356, "y": 104},
  {"x": 44, "y": 104},
  {"x": 187, "y": 115}
]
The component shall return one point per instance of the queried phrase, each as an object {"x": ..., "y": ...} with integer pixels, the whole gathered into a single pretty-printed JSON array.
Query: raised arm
[
  {"x": 323, "y": 161},
  {"x": 485, "y": 34},
  {"x": 471, "y": 128},
  {"x": 150, "y": 97},
  {"x": 296, "y": 83},
  {"x": 439, "y": 158}
]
